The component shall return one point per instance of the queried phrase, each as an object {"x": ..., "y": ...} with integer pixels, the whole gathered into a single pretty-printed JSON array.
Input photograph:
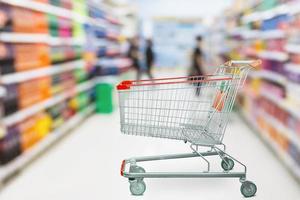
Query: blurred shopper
[
  {"x": 149, "y": 56},
  {"x": 134, "y": 55},
  {"x": 197, "y": 62}
]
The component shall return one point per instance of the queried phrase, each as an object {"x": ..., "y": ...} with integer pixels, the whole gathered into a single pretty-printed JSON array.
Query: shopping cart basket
[{"x": 193, "y": 109}]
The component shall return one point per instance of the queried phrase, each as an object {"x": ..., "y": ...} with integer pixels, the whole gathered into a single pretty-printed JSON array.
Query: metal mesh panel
[{"x": 189, "y": 109}]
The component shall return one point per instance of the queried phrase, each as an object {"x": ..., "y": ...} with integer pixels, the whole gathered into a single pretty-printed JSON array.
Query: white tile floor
[{"x": 85, "y": 165}]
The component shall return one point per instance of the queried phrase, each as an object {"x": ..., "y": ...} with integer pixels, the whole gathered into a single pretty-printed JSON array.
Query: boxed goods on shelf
[
  {"x": 23, "y": 23},
  {"x": 34, "y": 91},
  {"x": 94, "y": 12},
  {"x": 273, "y": 65},
  {"x": 43, "y": 124},
  {"x": 66, "y": 4},
  {"x": 101, "y": 52},
  {"x": 62, "y": 82},
  {"x": 29, "y": 136},
  {"x": 55, "y": 2},
  {"x": 31, "y": 56},
  {"x": 83, "y": 100},
  {"x": 34, "y": 129},
  {"x": 6, "y": 58},
  {"x": 295, "y": 153},
  {"x": 60, "y": 54},
  {"x": 10, "y": 146},
  {"x": 22, "y": 57},
  {"x": 79, "y": 7},
  {"x": 292, "y": 75},
  {"x": 100, "y": 32},
  {"x": 18, "y": 19},
  {"x": 274, "y": 23},
  {"x": 276, "y": 44},
  {"x": 53, "y": 25},
  {"x": 65, "y": 27},
  {"x": 267, "y": 4},
  {"x": 80, "y": 75},
  {"x": 295, "y": 58},
  {"x": 6, "y": 18},
  {"x": 56, "y": 113},
  {"x": 10, "y": 101}
]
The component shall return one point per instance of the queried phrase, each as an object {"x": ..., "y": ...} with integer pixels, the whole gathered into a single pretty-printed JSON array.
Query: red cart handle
[
  {"x": 125, "y": 85},
  {"x": 122, "y": 167}
]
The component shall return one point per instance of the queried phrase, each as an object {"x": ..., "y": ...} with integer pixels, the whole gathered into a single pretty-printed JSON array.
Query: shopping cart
[{"x": 193, "y": 109}]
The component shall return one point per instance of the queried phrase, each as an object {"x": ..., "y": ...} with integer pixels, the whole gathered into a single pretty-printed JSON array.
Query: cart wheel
[
  {"x": 227, "y": 164},
  {"x": 248, "y": 189},
  {"x": 137, "y": 188},
  {"x": 136, "y": 169}
]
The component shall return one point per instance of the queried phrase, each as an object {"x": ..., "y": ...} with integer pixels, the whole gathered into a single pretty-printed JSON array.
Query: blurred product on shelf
[
  {"x": 269, "y": 31},
  {"x": 113, "y": 66}
]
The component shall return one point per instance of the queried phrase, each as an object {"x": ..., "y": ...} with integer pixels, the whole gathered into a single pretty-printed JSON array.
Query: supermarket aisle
[{"x": 86, "y": 166}]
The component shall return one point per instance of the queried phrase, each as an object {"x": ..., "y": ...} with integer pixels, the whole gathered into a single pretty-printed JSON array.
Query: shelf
[
  {"x": 11, "y": 37},
  {"x": 282, "y": 103},
  {"x": 45, "y": 71},
  {"x": 293, "y": 48},
  {"x": 273, "y": 34},
  {"x": 291, "y": 67},
  {"x": 273, "y": 55},
  {"x": 2, "y": 91},
  {"x": 27, "y": 112},
  {"x": 269, "y": 75},
  {"x": 118, "y": 62},
  {"x": 264, "y": 35},
  {"x": 282, "y": 9},
  {"x": 283, "y": 156},
  {"x": 54, "y": 10},
  {"x": 24, "y": 159}
]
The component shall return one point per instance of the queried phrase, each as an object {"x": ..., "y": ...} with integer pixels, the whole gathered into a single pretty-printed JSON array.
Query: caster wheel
[
  {"x": 227, "y": 164},
  {"x": 248, "y": 189},
  {"x": 137, "y": 188},
  {"x": 136, "y": 169}
]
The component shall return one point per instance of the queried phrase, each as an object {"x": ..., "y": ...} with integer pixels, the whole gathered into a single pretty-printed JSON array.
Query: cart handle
[
  {"x": 251, "y": 63},
  {"x": 125, "y": 85}
]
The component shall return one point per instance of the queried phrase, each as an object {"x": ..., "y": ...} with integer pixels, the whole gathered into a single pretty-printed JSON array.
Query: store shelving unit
[
  {"x": 85, "y": 62},
  {"x": 39, "y": 38},
  {"x": 270, "y": 102},
  {"x": 46, "y": 71},
  {"x": 273, "y": 55}
]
